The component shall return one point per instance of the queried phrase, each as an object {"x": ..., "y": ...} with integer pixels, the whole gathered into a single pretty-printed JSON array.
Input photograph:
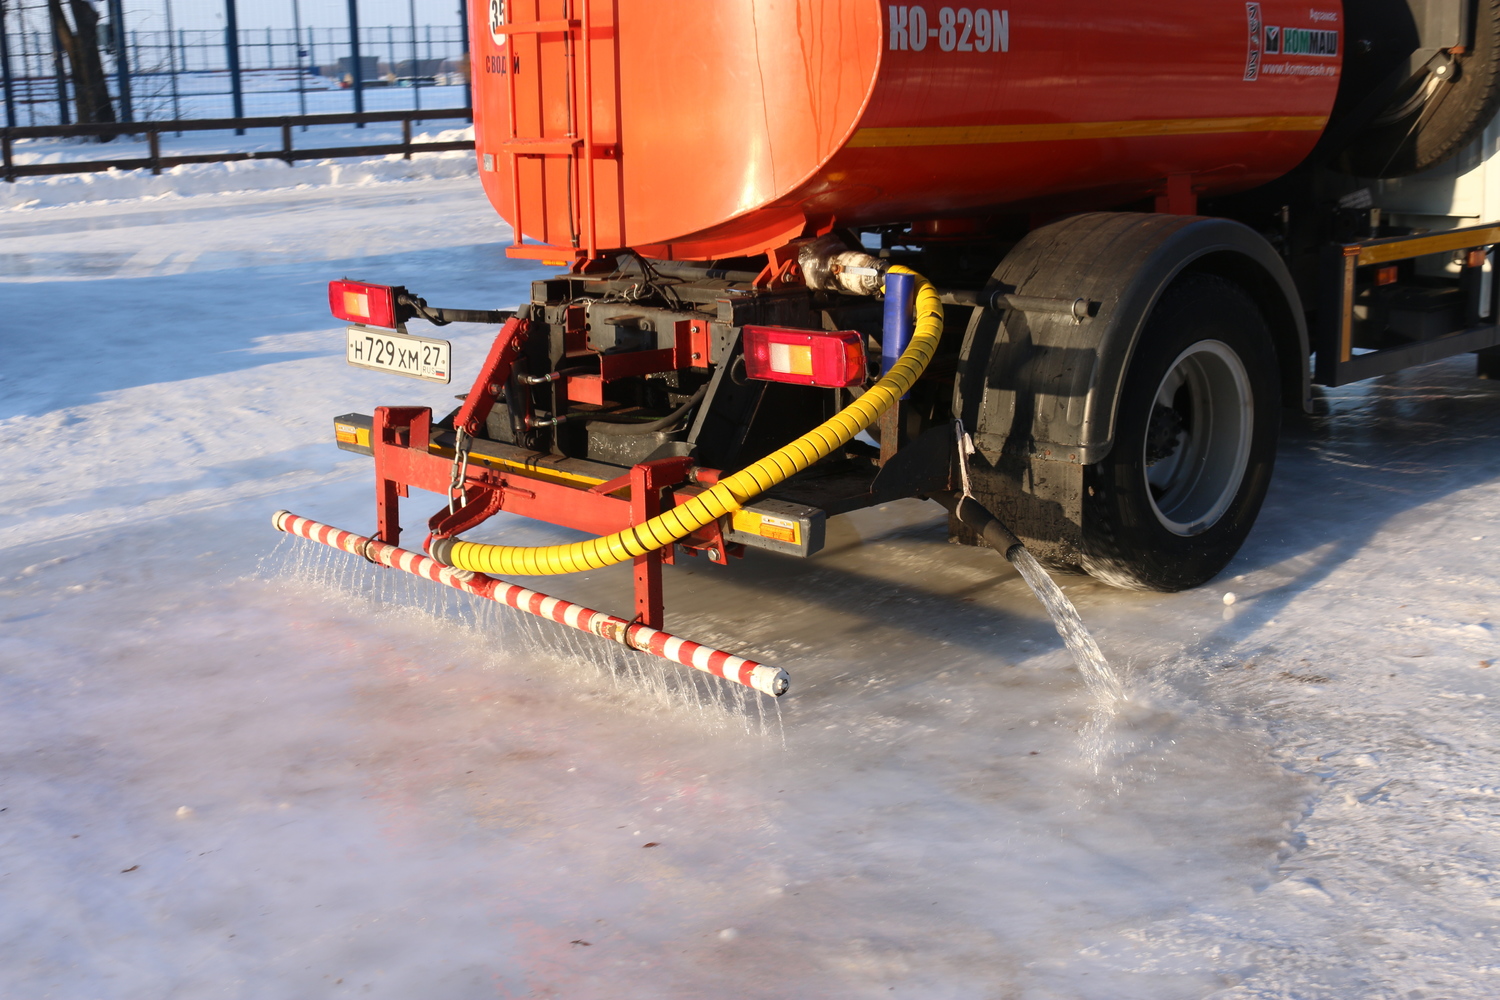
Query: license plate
[{"x": 398, "y": 353}]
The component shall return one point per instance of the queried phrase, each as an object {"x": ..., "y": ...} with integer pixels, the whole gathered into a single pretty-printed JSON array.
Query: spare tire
[{"x": 1434, "y": 114}]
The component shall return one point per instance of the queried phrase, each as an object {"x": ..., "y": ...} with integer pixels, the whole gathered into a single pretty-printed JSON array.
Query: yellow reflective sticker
[
  {"x": 350, "y": 434},
  {"x": 777, "y": 529}
]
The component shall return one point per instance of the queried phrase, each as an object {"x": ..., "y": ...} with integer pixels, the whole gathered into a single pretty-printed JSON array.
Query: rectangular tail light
[
  {"x": 357, "y": 302},
  {"x": 805, "y": 357}
]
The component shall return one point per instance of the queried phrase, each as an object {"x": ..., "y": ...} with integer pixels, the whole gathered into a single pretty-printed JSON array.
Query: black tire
[
  {"x": 1433, "y": 118},
  {"x": 1172, "y": 502}
]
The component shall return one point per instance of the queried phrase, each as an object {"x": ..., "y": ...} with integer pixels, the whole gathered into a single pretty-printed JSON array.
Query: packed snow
[
  {"x": 237, "y": 765},
  {"x": 189, "y": 179}
]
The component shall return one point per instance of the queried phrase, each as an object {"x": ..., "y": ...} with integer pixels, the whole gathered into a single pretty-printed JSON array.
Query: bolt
[{"x": 713, "y": 555}]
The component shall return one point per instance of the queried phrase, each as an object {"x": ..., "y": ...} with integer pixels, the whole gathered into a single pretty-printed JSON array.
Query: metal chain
[{"x": 462, "y": 439}]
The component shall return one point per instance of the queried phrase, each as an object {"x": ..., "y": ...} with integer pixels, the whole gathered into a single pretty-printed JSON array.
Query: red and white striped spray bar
[{"x": 765, "y": 679}]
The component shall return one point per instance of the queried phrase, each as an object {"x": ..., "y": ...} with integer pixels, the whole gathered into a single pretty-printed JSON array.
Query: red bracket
[
  {"x": 1179, "y": 197},
  {"x": 493, "y": 375},
  {"x": 647, "y": 483},
  {"x": 397, "y": 433},
  {"x": 781, "y": 268},
  {"x": 480, "y": 504}
]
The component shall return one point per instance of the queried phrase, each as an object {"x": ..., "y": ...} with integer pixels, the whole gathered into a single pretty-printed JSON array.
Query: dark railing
[{"x": 156, "y": 162}]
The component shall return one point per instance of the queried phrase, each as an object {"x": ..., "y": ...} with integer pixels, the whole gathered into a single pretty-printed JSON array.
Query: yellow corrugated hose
[{"x": 733, "y": 491}]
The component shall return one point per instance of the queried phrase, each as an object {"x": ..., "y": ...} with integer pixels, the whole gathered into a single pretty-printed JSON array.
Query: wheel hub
[{"x": 1197, "y": 442}]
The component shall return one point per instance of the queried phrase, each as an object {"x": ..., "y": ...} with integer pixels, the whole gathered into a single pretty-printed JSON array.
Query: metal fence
[
  {"x": 162, "y": 62},
  {"x": 156, "y": 161}
]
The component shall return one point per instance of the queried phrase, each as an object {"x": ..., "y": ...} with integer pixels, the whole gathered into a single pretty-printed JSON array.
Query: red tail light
[
  {"x": 805, "y": 357},
  {"x": 357, "y": 302}
]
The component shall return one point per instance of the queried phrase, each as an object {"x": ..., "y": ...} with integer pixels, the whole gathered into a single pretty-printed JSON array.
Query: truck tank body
[{"x": 699, "y": 129}]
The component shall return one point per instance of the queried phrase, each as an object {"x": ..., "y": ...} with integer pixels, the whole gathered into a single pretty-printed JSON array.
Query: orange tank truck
[
  {"x": 1059, "y": 265},
  {"x": 720, "y": 128}
]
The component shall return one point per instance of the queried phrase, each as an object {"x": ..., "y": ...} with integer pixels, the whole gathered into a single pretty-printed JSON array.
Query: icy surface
[{"x": 236, "y": 769}]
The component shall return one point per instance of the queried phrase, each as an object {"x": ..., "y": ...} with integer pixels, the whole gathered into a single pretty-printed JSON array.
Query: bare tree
[{"x": 80, "y": 41}]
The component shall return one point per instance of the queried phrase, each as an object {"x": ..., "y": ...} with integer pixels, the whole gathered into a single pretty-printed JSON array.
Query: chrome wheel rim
[{"x": 1197, "y": 442}]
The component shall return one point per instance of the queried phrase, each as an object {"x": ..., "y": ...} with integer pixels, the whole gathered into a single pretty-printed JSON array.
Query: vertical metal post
[
  {"x": 172, "y": 55},
  {"x": 28, "y": 75},
  {"x": 232, "y": 54},
  {"x": 122, "y": 58},
  {"x": 645, "y": 503},
  {"x": 463, "y": 36},
  {"x": 900, "y": 293},
  {"x": 62, "y": 75},
  {"x": 416, "y": 73},
  {"x": 356, "y": 72},
  {"x": 297, "y": 60},
  {"x": 10, "y": 90},
  {"x": 586, "y": 174}
]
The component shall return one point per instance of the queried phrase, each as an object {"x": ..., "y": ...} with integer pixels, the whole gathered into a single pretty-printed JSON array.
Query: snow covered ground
[
  {"x": 228, "y": 771},
  {"x": 214, "y": 178}
]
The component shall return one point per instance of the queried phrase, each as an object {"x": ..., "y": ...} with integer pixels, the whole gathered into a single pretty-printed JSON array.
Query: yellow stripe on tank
[{"x": 978, "y": 135}]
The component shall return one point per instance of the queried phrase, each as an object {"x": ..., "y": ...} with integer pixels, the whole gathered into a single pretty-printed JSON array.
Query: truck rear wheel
[
  {"x": 1438, "y": 112},
  {"x": 1195, "y": 442}
]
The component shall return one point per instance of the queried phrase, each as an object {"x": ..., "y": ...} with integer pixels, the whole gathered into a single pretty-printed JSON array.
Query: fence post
[
  {"x": 62, "y": 75},
  {"x": 28, "y": 75},
  {"x": 172, "y": 60},
  {"x": 415, "y": 71},
  {"x": 182, "y": 54},
  {"x": 10, "y": 91},
  {"x": 468, "y": 71},
  {"x": 5, "y": 154},
  {"x": 153, "y": 138},
  {"x": 356, "y": 73},
  {"x": 297, "y": 60},
  {"x": 122, "y": 58},
  {"x": 406, "y": 138},
  {"x": 232, "y": 53}
]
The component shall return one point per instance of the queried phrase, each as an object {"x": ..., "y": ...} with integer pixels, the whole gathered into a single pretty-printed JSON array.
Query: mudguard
[{"x": 1044, "y": 384}]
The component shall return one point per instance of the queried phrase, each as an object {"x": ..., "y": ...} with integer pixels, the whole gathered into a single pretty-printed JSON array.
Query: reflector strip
[{"x": 763, "y": 678}]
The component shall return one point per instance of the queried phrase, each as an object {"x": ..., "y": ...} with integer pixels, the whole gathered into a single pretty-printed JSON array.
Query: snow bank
[{"x": 246, "y": 175}]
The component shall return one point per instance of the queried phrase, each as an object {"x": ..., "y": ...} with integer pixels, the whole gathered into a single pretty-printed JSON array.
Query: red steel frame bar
[
  {"x": 763, "y": 678},
  {"x": 400, "y": 440},
  {"x": 591, "y": 240}
]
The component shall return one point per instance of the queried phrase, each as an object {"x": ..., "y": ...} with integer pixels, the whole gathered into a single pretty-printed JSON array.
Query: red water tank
[{"x": 714, "y": 128}]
